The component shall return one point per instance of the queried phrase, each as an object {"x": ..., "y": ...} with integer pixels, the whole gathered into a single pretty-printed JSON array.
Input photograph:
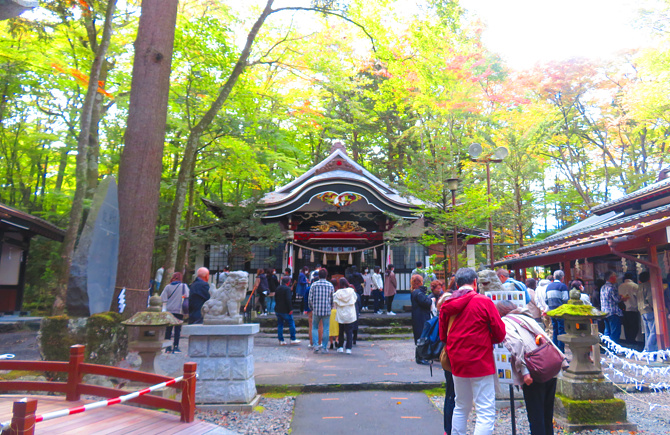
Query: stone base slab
[
  {"x": 575, "y": 415},
  {"x": 596, "y": 389},
  {"x": 237, "y": 407},
  {"x": 578, "y": 427}
]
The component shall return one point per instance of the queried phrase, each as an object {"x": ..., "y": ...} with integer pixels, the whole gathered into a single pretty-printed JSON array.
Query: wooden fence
[{"x": 74, "y": 388}]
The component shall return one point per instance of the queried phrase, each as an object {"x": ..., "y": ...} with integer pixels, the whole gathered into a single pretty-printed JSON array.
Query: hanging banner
[{"x": 290, "y": 258}]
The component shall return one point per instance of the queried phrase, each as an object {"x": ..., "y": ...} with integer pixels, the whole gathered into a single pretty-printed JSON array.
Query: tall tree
[{"x": 141, "y": 162}]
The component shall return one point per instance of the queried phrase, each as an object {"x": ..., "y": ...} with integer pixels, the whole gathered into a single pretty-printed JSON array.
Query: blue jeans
[
  {"x": 559, "y": 328},
  {"x": 613, "y": 328},
  {"x": 271, "y": 304},
  {"x": 377, "y": 295},
  {"x": 649, "y": 332},
  {"x": 449, "y": 401},
  {"x": 288, "y": 318},
  {"x": 315, "y": 330}
]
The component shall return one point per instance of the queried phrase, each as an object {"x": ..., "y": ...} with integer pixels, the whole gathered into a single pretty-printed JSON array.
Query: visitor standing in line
[
  {"x": 377, "y": 286},
  {"x": 631, "y": 316},
  {"x": 449, "y": 392},
  {"x": 609, "y": 303},
  {"x": 436, "y": 291},
  {"x": 420, "y": 306},
  {"x": 173, "y": 296},
  {"x": 334, "y": 326},
  {"x": 367, "y": 289},
  {"x": 645, "y": 306},
  {"x": 284, "y": 311},
  {"x": 476, "y": 327},
  {"x": 261, "y": 290},
  {"x": 541, "y": 302},
  {"x": 344, "y": 300},
  {"x": 418, "y": 270},
  {"x": 390, "y": 288},
  {"x": 521, "y": 336},
  {"x": 321, "y": 302},
  {"x": 531, "y": 286},
  {"x": 273, "y": 283},
  {"x": 198, "y": 295},
  {"x": 557, "y": 295}
]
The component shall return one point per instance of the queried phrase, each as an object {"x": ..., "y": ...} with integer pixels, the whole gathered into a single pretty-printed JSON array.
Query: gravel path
[{"x": 270, "y": 417}]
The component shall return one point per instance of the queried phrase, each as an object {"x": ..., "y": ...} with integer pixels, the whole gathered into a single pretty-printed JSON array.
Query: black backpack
[{"x": 428, "y": 346}]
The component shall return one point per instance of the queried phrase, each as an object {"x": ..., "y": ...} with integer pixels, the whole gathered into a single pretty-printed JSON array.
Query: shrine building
[{"x": 338, "y": 214}]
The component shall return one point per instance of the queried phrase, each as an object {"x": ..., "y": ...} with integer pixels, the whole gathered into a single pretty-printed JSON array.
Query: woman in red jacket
[{"x": 476, "y": 327}]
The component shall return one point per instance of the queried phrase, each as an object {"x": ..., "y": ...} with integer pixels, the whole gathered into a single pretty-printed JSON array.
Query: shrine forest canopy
[{"x": 240, "y": 101}]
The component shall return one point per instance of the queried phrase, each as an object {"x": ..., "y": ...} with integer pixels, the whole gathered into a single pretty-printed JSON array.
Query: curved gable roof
[{"x": 336, "y": 172}]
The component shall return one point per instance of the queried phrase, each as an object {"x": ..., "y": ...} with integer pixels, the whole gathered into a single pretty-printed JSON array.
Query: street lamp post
[
  {"x": 475, "y": 152},
  {"x": 452, "y": 184}
]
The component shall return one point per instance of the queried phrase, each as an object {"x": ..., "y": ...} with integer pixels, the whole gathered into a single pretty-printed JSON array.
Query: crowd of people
[{"x": 469, "y": 323}]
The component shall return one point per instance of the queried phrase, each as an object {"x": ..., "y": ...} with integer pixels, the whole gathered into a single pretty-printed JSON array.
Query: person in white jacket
[
  {"x": 345, "y": 302},
  {"x": 541, "y": 303}
]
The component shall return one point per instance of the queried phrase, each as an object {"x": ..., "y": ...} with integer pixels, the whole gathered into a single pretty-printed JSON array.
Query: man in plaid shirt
[
  {"x": 321, "y": 302},
  {"x": 609, "y": 303}
]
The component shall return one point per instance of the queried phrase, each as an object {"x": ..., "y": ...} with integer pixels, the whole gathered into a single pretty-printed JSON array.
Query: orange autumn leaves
[{"x": 82, "y": 78}]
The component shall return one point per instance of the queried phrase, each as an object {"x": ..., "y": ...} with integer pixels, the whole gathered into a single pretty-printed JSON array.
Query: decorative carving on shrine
[
  {"x": 339, "y": 200},
  {"x": 336, "y": 164},
  {"x": 338, "y": 226},
  {"x": 311, "y": 215},
  {"x": 364, "y": 216}
]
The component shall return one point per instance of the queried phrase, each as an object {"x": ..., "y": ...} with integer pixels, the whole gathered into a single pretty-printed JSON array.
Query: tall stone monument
[
  {"x": 93, "y": 271},
  {"x": 222, "y": 346}
]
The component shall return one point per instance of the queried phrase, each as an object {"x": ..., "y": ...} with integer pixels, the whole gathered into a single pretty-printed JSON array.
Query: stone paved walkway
[{"x": 366, "y": 412}]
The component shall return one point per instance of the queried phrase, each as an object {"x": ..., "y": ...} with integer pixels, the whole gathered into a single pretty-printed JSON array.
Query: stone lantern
[
  {"x": 584, "y": 397},
  {"x": 151, "y": 324}
]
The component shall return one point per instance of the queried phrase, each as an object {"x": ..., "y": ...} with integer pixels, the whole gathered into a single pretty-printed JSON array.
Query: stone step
[
  {"x": 361, "y": 336},
  {"x": 365, "y": 319},
  {"x": 362, "y": 329}
]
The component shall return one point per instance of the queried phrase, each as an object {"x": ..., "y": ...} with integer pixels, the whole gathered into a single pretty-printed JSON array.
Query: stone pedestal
[
  {"x": 225, "y": 362},
  {"x": 584, "y": 398}
]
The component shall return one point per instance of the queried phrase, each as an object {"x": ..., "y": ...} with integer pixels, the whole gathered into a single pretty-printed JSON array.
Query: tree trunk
[
  {"x": 76, "y": 212},
  {"x": 141, "y": 162},
  {"x": 94, "y": 137},
  {"x": 193, "y": 141}
]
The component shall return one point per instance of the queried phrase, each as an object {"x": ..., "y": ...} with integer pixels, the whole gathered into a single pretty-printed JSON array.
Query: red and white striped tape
[{"x": 100, "y": 404}]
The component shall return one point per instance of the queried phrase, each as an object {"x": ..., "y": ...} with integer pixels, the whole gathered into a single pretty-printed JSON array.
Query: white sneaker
[
  {"x": 349, "y": 351},
  {"x": 379, "y": 312},
  {"x": 295, "y": 341},
  {"x": 391, "y": 313},
  {"x": 340, "y": 350},
  {"x": 282, "y": 343},
  {"x": 309, "y": 346}
]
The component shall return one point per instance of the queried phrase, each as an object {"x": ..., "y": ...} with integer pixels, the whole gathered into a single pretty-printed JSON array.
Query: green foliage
[
  {"x": 239, "y": 227},
  {"x": 579, "y": 132},
  {"x": 106, "y": 339}
]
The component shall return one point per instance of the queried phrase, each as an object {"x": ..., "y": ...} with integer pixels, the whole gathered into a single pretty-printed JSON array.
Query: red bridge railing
[{"x": 76, "y": 368}]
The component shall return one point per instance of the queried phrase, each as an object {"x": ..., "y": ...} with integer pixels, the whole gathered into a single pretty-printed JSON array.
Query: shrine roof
[
  {"x": 648, "y": 193},
  {"x": 337, "y": 167},
  {"x": 20, "y": 220},
  {"x": 581, "y": 237}
]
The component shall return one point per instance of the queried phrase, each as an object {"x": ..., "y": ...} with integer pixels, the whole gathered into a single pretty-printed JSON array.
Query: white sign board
[
  {"x": 516, "y": 297},
  {"x": 503, "y": 363}
]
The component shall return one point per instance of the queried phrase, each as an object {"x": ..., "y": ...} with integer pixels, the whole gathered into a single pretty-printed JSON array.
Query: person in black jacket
[
  {"x": 198, "y": 295},
  {"x": 284, "y": 311},
  {"x": 273, "y": 283},
  {"x": 421, "y": 304}
]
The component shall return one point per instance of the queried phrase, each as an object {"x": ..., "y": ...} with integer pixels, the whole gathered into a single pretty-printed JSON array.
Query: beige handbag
[{"x": 444, "y": 358}]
